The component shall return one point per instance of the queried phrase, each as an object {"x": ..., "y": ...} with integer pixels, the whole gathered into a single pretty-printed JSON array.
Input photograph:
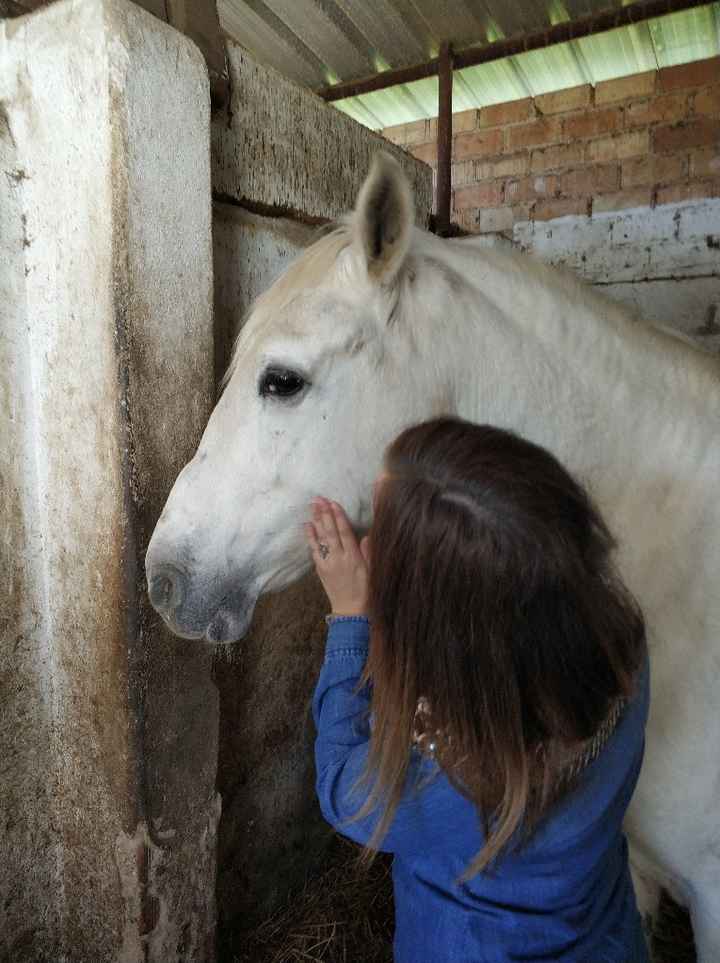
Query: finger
[
  {"x": 327, "y": 528},
  {"x": 365, "y": 549},
  {"x": 312, "y": 538},
  {"x": 344, "y": 528}
]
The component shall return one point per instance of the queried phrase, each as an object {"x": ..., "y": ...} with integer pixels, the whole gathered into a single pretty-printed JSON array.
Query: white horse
[{"x": 379, "y": 325}]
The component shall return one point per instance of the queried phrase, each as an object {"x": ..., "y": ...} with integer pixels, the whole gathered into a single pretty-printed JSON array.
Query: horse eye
[{"x": 280, "y": 383}]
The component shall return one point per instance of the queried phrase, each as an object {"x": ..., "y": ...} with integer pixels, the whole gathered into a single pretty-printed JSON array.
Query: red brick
[
  {"x": 623, "y": 200},
  {"x": 396, "y": 134},
  {"x": 705, "y": 162},
  {"x": 700, "y": 132},
  {"x": 417, "y": 132},
  {"x": 708, "y": 101},
  {"x": 512, "y": 166},
  {"x": 590, "y": 180},
  {"x": 512, "y": 112},
  {"x": 687, "y": 192},
  {"x": 424, "y": 152},
  {"x": 479, "y": 143},
  {"x": 464, "y": 120},
  {"x": 485, "y": 194},
  {"x": 625, "y": 88},
  {"x": 531, "y": 188},
  {"x": 559, "y": 207},
  {"x": 560, "y": 101},
  {"x": 696, "y": 74},
  {"x": 463, "y": 173},
  {"x": 593, "y": 122},
  {"x": 547, "y": 130},
  {"x": 555, "y": 158},
  {"x": 618, "y": 147},
  {"x": 663, "y": 109},
  {"x": 468, "y": 220},
  {"x": 521, "y": 212},
  {"x": 654, "y": 170},
  {"x": 482, "y": 170}
]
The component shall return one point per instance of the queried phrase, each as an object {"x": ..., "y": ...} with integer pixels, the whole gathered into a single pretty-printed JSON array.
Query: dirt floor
[{"x": 345, "y": 915}]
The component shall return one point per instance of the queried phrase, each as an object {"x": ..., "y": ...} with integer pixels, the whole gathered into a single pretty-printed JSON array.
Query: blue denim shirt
[{"x": 566, "y": 896}]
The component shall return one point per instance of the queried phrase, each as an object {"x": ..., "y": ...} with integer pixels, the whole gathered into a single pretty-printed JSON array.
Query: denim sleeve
[{"x": 342, "y": 719}]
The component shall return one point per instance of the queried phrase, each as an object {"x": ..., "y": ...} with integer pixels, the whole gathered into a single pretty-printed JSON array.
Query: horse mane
[{"x": 447, "y": 259}]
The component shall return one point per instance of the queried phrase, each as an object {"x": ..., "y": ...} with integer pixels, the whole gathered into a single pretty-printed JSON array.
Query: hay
[{"x": 345, "y": 915}]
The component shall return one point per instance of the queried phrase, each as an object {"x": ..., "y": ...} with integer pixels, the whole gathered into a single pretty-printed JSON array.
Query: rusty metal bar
[
  {"x": 444, "y": 140},
  {"x": 560, "y": 33}
]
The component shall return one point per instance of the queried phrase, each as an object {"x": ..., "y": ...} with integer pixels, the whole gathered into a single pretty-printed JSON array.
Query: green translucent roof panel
[
  {"x": 618, "y": 53},
  {"x": 663, "y": 42},
  {"x": 494, "y": 83},
  {"x": 682, "y": 37},
  {"x": 552, "y": 68}
]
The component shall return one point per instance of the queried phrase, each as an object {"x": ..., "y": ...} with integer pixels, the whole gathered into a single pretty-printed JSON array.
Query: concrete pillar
[{"x": 108, "y": 735}]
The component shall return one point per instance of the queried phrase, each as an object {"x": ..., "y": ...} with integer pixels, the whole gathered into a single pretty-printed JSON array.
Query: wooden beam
[
  {"x": 471, "y": 57},
  {"x": 444, "y": 140}
]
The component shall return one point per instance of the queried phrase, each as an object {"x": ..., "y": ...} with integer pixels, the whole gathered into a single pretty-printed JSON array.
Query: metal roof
[{"x": 320, "y": 42}]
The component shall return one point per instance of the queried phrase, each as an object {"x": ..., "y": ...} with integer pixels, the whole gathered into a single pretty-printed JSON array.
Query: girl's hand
[{"x": 341, "y": 563}]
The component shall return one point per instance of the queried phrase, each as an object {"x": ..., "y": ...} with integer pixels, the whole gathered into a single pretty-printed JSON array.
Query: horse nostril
[{"x": 167, "y": 590}]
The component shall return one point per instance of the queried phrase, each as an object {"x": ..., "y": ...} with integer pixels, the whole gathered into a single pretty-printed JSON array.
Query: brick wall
[{"x": 639, "y": 141}]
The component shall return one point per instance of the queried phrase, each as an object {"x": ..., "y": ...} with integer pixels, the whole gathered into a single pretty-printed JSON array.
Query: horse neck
[{"x": 529, "y": 348}]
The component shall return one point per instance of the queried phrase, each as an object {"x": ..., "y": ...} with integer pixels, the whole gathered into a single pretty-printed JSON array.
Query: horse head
[{"x": 322, "y": 378}]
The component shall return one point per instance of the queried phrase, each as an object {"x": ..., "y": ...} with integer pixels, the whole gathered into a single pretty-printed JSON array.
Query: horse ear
[{"x": 384, "y": 218}]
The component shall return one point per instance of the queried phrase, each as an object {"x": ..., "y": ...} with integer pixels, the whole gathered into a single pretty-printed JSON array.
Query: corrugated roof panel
[
  {"x": 280, "y": 49},
  {"x": 494, "y": 83},
  {"x": 523, "y": 16},
  {"x": 617, "y": 53},
  {"x": 397, "y": 102},
  {"x": 682, "y": 37},
  {"x": 383, "y": 25},
  {"x": 425, "y": 92},
  {"x": 355, "y": 109},
  {"x": 458, "y": 22},
  {"x": 345, "y": 52},
  {"x": 552, "y": 68},
  {"x": 322, "y": 41}
]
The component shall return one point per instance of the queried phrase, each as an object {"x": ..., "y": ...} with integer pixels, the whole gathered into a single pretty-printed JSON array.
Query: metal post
[{"x": 444, "y": 140}]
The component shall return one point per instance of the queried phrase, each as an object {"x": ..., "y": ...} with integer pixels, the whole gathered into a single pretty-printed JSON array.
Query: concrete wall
[
  {"x": 283, "y": 163},
  {"x": 662, "y": 262},
  {"x": 108, "y": 736}
]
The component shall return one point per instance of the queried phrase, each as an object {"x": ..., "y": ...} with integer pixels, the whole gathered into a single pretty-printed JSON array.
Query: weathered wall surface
[
  {"x": 249, "y": 252},
  {"x": 662, "y": 262},
  {"x": 285, "y": 151},
  {"x": 108, "y": 731},
  {"x": 283, "y": 162}
]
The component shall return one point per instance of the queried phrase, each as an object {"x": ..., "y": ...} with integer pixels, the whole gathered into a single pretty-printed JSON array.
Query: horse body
[{"x": 381, "y": 326}]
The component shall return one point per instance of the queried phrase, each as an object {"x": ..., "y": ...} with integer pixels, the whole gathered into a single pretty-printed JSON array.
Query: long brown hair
[{"x": 494, "y": 597}]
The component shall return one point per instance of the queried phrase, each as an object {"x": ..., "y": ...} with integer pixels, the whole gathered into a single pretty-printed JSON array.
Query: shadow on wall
[{"x": 271, "y": 831}]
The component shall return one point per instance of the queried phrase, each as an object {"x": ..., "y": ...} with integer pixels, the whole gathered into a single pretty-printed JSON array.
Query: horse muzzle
[{"x": 210, "y": 610}]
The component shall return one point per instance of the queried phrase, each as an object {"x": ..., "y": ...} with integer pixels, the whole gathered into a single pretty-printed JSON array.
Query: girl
[{"x": 481, "y": 709}]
